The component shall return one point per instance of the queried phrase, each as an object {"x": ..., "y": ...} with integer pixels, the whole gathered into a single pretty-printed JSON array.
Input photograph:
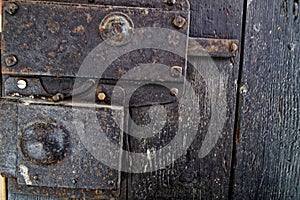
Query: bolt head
[
  {"x": 22, "y": 84},
  {"x": 101, "y": 96},
  {"x": 179, "y": 21},
  {"x": 10, "y": 60}
]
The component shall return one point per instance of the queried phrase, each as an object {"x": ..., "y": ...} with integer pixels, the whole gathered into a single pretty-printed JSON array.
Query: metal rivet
[
  {"x": 174, "y": 92},
  {"x": 116, "y": 29},
  {"x": 35, "y": 177},
  {"x": 170, "y": 2},
  {"x": 11, "y": 60},
  {"x": 11, "y": 8},
  {"x": 74, "y": 181},
  {"x": 22, "y": 84},
  {"x": 101, "y": 96},
  {"x": 176, "y": 71},
  {"x": 179, "y": 21}
]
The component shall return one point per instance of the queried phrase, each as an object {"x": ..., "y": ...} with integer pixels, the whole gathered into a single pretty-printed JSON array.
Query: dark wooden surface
[
  {"x": 268, "y": 144},
  {"x": 266, "y": 153},
  {"x": 192, "y": 177}
]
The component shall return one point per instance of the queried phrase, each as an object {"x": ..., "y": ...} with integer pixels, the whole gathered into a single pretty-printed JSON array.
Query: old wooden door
[{"x": 247, "y": 87}]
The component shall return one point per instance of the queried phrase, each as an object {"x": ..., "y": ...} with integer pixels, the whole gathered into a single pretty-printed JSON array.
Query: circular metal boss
[
  {"x": 116, "y": 29},
  {"x": 44, "y": 143}
]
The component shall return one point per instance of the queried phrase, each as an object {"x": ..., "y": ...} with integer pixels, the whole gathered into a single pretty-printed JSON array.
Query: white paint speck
[{"x": 25, "y": 173}]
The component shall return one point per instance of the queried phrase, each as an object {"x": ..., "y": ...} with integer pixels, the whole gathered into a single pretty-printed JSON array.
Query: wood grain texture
[
  {"x": 192, "y": 177},
  {"x": 2, "y": 188},
  {"x": 268, "y": 148},
  {"x": 216, "y": 19}
]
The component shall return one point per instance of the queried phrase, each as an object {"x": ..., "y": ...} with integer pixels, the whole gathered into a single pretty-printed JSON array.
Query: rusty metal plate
[
  {"x": 48, "y": 41},
  {"x": 40, "y": 39},
  {"x": 51, "y": 150},
  {"x": 170, "y": 5}
]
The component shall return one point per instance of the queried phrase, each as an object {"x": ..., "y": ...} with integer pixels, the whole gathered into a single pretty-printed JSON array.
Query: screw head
[
  {"x": 22, "y": 84},
  {"x": 174, "y": 92},
  {"x": 179, "y": 21},
  {"x": 11, "y": 8},
  {"x": 116, "y": 29},
  {"x": 10, "y": 60}
]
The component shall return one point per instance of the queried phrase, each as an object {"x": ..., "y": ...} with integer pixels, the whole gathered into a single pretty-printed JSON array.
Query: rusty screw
[
  {"x": 170, "y": 2},
  {"x": 176, "y": 71},
  {"x": 11, "y": 8},
  {"x": 179, "y": 21},
  {"x": 234, "y": 47},
  {"x": 11, "y": 60},
  {"x": 174, "y": 92},
  {"x": 101, "y": 96}
]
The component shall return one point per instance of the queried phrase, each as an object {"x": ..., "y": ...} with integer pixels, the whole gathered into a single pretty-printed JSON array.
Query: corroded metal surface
[
  {"x": 223, "y": 48},
  {"x": 78, "y": 168},
  {"x": 43, "y": 46},
  {"x": 57, "y": 43},
  {"x": 158, "y": 4}
]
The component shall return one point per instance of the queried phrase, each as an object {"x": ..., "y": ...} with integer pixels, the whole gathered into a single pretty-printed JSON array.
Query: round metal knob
[
  {"x": 116, "y": 29},
  {"x": 44, "y": 143}
]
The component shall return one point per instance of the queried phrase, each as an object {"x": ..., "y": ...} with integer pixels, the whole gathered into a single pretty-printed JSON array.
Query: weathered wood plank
[
  {"x": 192, "y": 177},
  {"x": 268, "y": 148},
  {"x": 216, "y": 19}
]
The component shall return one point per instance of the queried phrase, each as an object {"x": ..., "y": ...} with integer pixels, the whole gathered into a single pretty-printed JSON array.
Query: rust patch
[
  {"x": 79, "y": 30},
  {"x": 212, "y": 47}
]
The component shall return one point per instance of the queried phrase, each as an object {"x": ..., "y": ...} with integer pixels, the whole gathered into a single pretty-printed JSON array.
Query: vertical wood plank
[
  {"x": 191, "y": 177},
  {"x": 268, "y": 148},
  {"x": 2, "y": 188}
]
